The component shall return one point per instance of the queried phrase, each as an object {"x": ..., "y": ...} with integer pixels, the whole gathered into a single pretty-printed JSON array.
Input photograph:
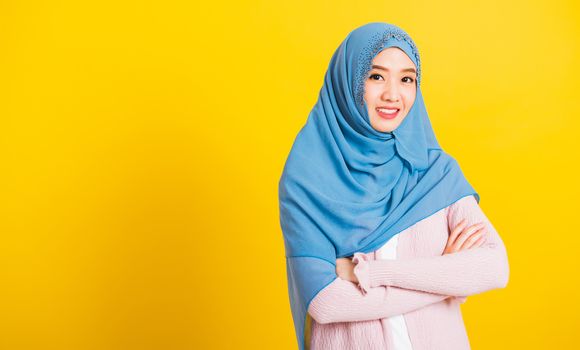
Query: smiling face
[{"x": 390, "y": 89}]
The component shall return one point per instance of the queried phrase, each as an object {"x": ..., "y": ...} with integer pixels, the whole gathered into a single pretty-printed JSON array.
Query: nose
[{"x": 390, "y": 93}]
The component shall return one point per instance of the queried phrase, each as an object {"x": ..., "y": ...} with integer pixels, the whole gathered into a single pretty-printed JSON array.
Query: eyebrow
[{"x": 412, "y": 70}]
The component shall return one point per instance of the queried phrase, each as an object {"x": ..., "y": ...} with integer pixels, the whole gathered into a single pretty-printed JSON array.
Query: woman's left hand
[{"x": 345, "y": 269}]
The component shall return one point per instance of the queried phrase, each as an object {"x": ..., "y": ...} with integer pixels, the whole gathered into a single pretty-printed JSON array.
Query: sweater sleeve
[
  {"x": 463, "y": 273},
  {"x": 343, "y": 301},
  {"x": 361, "y": 271}
]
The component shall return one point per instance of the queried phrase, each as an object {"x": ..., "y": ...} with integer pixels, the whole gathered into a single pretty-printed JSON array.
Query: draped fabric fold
[{"x": 347, "y": 188}]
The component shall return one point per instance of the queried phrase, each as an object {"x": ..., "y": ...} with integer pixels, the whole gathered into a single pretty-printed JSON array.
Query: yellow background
[{"x": 142, "y": 143}]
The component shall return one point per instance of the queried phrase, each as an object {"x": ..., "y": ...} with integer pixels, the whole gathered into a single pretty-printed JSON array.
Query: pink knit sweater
[{"x": 421, "y": 284}]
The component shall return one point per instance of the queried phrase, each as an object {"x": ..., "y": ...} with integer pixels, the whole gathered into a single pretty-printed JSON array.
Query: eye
[
  {"x": 410, "y": 79},
  {"x": 374, "y": 75}
]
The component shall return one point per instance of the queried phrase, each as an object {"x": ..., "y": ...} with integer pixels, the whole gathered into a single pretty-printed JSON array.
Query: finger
[
  {"x": 463, "y": 236},
  {"x": 478, "y": 242},
  {"x": 473, "y": 239},
  {"x": 467, "y": 235},
  {"x": 481, "y": 240},
  {"x": 455, "y": 232}
]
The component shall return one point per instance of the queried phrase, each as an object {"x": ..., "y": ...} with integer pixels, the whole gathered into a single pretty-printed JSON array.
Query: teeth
[{"x": 388, "y": 111}]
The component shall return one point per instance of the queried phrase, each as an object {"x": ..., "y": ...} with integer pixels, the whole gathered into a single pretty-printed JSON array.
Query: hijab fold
[{"x": 348, "y": 188}]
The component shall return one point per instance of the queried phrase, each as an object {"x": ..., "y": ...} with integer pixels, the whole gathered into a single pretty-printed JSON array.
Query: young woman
[{"x": 384, "y": 235}]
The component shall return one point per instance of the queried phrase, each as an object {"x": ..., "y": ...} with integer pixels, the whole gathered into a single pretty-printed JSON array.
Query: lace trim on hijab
[{"x": 370, "y": 50}]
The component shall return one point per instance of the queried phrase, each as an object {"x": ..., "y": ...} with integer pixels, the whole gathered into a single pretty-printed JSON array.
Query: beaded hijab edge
[{"x": 374, "y": 44}]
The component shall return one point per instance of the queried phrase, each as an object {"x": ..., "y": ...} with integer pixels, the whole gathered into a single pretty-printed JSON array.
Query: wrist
[
  {"x": 381, "y": 273},
  {"x": 361, "y": 271}
]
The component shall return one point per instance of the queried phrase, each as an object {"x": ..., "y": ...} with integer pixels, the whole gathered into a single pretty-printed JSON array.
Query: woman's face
[{"x": 390, "y": 89}]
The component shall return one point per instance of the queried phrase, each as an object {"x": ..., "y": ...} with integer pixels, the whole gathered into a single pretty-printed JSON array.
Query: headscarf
[{"x": 347, "y": 187}]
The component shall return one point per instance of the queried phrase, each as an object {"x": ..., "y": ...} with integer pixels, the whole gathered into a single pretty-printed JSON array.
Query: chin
[{"x": 381, "y": 126}]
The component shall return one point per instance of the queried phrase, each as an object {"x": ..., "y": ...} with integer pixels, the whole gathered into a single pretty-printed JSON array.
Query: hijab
[{"x": 347, "y": 187}]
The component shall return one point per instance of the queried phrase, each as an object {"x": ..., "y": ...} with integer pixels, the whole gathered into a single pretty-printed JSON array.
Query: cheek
[
  {"x": 371, "y": 93},
  {"x": 410, "y": 97}
]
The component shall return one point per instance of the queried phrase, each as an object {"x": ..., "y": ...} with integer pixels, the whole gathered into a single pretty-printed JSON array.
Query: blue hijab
[{"x": 348, "y": 188}]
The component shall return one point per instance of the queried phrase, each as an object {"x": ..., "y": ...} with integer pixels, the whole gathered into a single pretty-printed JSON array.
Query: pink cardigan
[{"x": 423, "y": 285}]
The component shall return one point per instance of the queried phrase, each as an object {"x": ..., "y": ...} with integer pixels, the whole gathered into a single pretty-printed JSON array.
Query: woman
[{"x": 384, "y": 235}]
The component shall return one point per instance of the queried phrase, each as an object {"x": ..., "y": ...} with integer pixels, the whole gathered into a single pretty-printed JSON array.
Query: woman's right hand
[{"x": 462, "y": 238}]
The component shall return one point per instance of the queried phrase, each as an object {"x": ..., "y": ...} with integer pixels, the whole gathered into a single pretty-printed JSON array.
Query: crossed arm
[{"x": 393, "y": 287}]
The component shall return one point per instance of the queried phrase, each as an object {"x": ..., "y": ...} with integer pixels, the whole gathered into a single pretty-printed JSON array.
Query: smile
[{"x": 387, "y": 113}]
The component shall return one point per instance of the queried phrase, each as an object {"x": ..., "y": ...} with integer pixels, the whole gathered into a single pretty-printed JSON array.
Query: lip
[{"x": 388, "y": 116}]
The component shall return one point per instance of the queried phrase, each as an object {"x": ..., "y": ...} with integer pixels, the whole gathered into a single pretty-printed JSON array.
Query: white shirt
[{"x": 397, "y": 323}]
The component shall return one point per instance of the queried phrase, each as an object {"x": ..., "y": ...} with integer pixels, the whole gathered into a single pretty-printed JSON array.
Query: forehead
[{"x": 393, "y": 57}]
